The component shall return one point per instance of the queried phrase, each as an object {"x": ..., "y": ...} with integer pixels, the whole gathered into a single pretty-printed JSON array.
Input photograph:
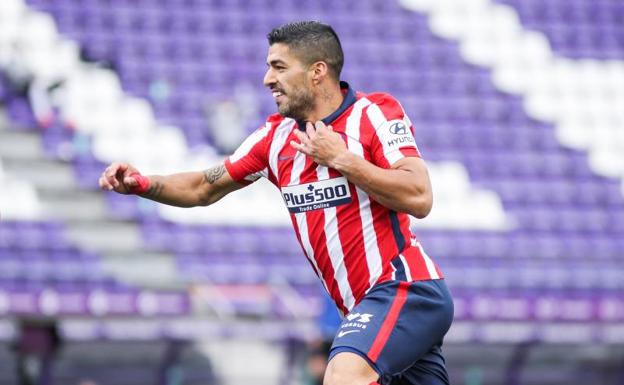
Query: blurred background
[{"x": 518, "y": 108}]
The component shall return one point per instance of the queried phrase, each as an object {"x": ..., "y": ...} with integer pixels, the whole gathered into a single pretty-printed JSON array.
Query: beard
[{"x": 299, "y": 103}]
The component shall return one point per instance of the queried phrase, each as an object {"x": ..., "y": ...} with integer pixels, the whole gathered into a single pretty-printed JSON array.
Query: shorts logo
[
  {"x": 343, "y": 333},
  {"x": 316, "y": 195},
  {"x": 355, "y": 320},
  {"x": 398, "y": 128},
  {"x": 364, "y": 318}
]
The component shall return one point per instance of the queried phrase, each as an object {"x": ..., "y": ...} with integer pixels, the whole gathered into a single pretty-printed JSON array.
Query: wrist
[
  {"x": 143, "y": 184},
  {"x": 342, "y": 160}
]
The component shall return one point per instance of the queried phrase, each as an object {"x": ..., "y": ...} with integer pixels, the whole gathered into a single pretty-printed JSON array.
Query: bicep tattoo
[{"x": 214, "y": 174}]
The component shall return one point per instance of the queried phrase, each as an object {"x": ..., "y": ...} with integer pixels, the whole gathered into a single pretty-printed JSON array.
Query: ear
[{"x": 319, "y": 71}]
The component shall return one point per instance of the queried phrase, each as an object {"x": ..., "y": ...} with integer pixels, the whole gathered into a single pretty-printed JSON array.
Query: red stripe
[
  {"x": 284, "y": 167},
  {"x": 352, "y": 242},
  {"x": 381, "y": 219},
  {"x": 377, "y": 152},
  {"x": 386, "y": 275},
  {"x": 308, "y": 257},
  {"x": 315, "y": 221},
  {"x": 410, "y": 151},
  {"x": 389, "y": 106},
  {"x": 417, "y": 264},
  {"x": 415, "y": 145},
  {"x": 383, "y": 230},
  {"x": 404, "y": 226},
  {"x": 389, "y": 322},
  {"x": 438, "y": 271}
]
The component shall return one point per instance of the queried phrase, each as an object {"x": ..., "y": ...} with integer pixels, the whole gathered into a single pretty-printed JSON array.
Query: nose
[{"x": 269, "y": 78}]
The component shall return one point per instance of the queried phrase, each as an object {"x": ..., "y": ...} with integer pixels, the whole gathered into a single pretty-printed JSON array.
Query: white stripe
[
  {"x": 408, "y": 272},
  {"x": 352, "y": 128},
  {"x": 406, "y": 118},
  {"x": 334, "y": 248},
  {"x": 251, "y": 141},
  {"x": 371, "y": 247},
  {"x": 300, "y": 218},
  {"x": 279, "y": 139},
  {"x": 428, "y": 262},
  {"x": 377, "y": 119}
]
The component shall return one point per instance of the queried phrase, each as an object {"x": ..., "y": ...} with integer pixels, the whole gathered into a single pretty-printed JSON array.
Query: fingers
[
  {"x": 320, "y": 126},
  {"x": 312, "y": 134},
  {"x": 303, "y": 138},
  {"x": 110, "y": 178},
  {"x": 311, "y": 130},
  {"x": 130, "y": 181},
  {"x": 104, "y": 184},
  {"x": 305, "y": 142},
  {"x": 299, "y": 147}
]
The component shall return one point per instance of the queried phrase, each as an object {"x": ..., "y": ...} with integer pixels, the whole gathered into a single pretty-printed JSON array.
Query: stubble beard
[{"x": 299, "y": 104}]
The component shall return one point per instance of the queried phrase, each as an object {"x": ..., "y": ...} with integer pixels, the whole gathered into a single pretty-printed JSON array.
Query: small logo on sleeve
[
  {"x": 401, "y": 134},
  {"x": 398, "y": 128}
]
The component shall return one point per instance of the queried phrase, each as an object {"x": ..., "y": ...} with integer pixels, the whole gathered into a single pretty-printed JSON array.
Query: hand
[
  {"x": 320, "y": 142},
  {"x": 119, "y": 177}
]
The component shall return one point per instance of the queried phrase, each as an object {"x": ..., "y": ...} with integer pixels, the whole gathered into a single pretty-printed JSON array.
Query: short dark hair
[{"x": 312, "y": 41}]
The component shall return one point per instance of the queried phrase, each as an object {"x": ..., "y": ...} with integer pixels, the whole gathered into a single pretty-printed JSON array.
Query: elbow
[
  {"x": 420, "y": 206},
  {"x": 206, "y": 198},
  {"x": 202, "y": 200}
]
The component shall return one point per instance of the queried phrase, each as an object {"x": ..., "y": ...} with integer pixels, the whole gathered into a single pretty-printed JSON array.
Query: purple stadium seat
[{"x": 564, "y": 213}]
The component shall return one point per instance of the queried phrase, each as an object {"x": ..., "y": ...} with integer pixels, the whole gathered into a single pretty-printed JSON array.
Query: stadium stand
[{"x": 516, "y": 104}]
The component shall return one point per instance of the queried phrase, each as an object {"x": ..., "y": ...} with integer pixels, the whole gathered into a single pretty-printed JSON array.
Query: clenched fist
[{"x": 124, "y": 179}]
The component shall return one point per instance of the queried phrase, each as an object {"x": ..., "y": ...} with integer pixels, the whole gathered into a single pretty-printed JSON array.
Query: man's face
[{"x": 289, "y": 80}]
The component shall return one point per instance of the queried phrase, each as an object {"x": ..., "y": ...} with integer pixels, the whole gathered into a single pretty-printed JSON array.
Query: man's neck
[{"x": 329, "y": 100}]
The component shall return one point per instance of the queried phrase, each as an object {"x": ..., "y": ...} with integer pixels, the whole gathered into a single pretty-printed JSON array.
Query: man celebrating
[{"x": 350, "y": 173}]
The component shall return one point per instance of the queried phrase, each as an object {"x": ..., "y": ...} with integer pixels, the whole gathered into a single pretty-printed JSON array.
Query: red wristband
[{"x": 143, "y": 184}]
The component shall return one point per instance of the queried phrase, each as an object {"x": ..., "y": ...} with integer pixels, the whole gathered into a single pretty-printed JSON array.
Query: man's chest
[
  {"x": 294, "y": 167},
  {"x": 308, "y": 186}
]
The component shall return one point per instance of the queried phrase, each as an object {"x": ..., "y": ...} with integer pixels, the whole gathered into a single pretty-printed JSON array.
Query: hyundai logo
[{"x": 398, "y": 128}]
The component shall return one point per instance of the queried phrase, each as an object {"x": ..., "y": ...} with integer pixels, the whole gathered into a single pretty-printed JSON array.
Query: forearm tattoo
[
  {"x": 214, "y": 174},
  {"x": 154, "y": 191}
]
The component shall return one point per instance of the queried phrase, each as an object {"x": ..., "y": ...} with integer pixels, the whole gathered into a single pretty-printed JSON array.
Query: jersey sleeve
[
  {"x": 394, "y": 134},
  {"x": 250, "y": 161}
]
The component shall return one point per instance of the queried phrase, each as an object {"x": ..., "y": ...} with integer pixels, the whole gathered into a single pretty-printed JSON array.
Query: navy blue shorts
[{"x": 398, "y": 328}]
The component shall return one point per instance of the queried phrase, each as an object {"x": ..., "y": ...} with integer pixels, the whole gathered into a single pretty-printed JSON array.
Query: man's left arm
[{"x": 404, "y": 187}]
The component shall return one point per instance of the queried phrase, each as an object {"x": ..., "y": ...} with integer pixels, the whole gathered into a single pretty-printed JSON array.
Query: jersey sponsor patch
[
  {"x": 317, "y": 195},
  {"x": 400, "y": 134}
]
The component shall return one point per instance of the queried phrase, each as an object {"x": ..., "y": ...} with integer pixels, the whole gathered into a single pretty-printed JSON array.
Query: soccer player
[{"x": 350, "y": 174}]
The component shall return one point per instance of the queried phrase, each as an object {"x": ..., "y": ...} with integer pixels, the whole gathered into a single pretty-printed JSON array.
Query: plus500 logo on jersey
[{"x": 316, "y": 195}]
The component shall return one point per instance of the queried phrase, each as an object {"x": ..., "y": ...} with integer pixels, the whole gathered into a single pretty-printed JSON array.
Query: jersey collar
[{"x": 349, "y": 99}]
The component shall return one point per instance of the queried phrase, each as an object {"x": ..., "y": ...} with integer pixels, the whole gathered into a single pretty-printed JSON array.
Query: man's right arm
[{"x": 187, "y": 189}]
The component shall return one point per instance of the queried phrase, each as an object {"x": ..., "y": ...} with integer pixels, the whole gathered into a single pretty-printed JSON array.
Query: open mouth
[{"x": 277, "y": 94}]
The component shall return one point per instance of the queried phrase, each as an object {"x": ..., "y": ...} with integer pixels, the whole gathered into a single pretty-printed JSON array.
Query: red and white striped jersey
[{"x": 351, "y": 241}]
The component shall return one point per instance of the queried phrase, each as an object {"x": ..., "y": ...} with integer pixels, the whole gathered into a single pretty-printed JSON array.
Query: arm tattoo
[
  {"x": 213, "y": 174},
  {"x": 154, "y": 191}
]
